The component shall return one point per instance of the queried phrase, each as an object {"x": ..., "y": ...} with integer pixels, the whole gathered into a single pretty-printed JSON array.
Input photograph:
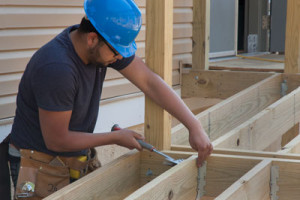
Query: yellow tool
[{"x": 75, "y": 174}]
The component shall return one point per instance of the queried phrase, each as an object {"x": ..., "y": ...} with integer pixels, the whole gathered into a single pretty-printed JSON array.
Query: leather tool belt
[{"x": 41, "y": 174}]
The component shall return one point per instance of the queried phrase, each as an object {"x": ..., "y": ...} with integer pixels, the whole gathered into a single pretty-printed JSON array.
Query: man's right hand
[{"x": 127, "y": 138}]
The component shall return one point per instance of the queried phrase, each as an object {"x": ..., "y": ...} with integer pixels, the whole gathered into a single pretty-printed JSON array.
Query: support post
[
  {"x": 159, "y": 49},
  {"x": 292, "y": 39},
  {"x": 201, "y": 30}
]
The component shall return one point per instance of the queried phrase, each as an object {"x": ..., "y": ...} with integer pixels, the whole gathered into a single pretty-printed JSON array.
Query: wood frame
[
  {"x": 236, "y": 109},
  {"x": 142, "y": 175},
  {"x": 260, "y": 101}
]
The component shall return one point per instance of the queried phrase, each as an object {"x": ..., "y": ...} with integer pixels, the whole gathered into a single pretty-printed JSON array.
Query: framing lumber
[
  {"x": 293, "y": 146},
  {"x": 117, "y": 179},
  {"x": 201, "y": 32},
  {"x": 105, "y": 183},
  {"x": 253, "y": 185},
  {"x": 217, "y": 84},
  {"x": 171, "y": 183},
  {"x": 289, "y": 179},
  {"x": 180, "y": 181},
  {"x": 228, "y": 114},
  {"x": 239, "y": 152},
  {"x": 287, "y": 182},
  {"x": 292, "y": 38},
  {"x": 290, "y": 135},
  {"x": 142, "y": 175},
  {"x": 264, "y": 128},
  {"x": 159, "y": 44}
]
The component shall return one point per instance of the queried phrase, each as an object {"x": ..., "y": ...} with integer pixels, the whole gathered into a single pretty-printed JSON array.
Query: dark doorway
[{"x": 241, "y": 26}]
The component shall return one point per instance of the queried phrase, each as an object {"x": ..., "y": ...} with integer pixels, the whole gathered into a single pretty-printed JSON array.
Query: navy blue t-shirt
[{"x": 56, "y": 79}]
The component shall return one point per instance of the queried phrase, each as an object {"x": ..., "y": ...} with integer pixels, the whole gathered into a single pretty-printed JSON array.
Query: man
[{"x": 59, "y": 94}]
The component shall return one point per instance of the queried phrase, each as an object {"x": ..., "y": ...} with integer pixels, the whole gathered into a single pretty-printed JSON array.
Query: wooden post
[
  {"x": 201, "y": 30},
  {"x": 159, "y": 49},
  {"x": 292, "y": 39}
]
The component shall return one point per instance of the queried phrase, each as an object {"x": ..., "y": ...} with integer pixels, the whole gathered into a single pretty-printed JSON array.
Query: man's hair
[{"x": 87, "y": 27}]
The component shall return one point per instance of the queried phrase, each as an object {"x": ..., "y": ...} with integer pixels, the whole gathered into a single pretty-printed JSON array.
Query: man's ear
[{"x": 92, "y": 39}]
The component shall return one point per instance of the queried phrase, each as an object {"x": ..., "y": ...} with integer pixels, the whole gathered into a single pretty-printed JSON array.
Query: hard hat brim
[{"x": 125, "y": 50}]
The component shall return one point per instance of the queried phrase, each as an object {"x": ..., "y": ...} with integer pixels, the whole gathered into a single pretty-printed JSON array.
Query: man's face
[{"x": 103, "y": 54}]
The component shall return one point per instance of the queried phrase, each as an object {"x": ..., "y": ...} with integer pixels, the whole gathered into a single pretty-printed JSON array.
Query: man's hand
[
  {"x": 127, "y": 138},
  {"x": 200, "y": 142}
]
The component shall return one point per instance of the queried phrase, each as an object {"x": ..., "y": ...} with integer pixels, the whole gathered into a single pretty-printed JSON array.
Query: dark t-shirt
[{"x": 56, "y": 79}]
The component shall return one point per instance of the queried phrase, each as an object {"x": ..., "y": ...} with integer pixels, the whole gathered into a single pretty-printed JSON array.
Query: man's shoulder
[
  {"x": 55, "y": 52},
  {"x": 123, "y": 63}
]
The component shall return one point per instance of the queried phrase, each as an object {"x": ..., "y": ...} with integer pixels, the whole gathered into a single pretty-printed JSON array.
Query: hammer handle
[{"x": 145, "y": 145}]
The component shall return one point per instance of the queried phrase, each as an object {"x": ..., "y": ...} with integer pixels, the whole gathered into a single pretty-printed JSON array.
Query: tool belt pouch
[
  {"x": 38, "y": 177},
  {"x": 94, "y": 162}
]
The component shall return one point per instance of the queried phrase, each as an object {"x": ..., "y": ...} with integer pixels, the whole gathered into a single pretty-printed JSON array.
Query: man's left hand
[{"x": 200, "y": 142}]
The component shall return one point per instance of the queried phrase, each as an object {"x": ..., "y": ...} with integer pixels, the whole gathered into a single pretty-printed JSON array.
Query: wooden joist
[
  {"x": 218, "y": 84},
  {"x": 260, "y": 131},
  {"x": 253, "y": 185},
  {"x": 106, "y": 182},
  {"x": 232, "y": 116},
  {"x": 236, "y": 109},
  {"x": 230, "y": 174},
  {"x": 293, "y": 146},
  {"x": 142, "y": 175},
  {"x": 241, "y": 152}
]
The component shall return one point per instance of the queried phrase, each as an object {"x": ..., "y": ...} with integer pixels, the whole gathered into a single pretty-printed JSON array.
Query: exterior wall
[{"x": 25, "y": 25}]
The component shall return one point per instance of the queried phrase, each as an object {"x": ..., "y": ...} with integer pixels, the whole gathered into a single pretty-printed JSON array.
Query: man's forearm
[
  {"x": 77, "y": 141},
  {"x": 166, "y": 97}
]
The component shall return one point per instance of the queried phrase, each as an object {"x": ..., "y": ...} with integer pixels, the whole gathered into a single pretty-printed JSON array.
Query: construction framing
[
  {"x": 142, "y": 175},
  {"x": 254, "y": 130}
]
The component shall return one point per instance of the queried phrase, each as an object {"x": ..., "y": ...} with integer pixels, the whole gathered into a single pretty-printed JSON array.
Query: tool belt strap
[{"x": 71, "y": 162}]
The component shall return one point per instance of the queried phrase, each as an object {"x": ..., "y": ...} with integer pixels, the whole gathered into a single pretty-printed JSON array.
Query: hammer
[{"x": 169, "y": 160}]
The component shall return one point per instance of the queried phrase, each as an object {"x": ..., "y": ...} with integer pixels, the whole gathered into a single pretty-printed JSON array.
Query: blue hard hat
[{"x": 117, "y": 21}]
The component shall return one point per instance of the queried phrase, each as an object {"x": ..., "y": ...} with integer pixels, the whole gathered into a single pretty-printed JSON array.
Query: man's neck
[{"x": 79, "y": 45}]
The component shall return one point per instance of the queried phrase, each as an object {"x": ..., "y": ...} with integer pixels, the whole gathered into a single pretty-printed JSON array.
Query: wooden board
[
  {"x": 233, "y": 111},
  {"x": 201, "y": 33},
  {"x": 289, "y": 179},
  {"x": 216, "y": 84},
  {"x": 260, "y": 131},
  {"x": 227, "y": 177},
  {"x": 292, "y": 38},
  {"x": 197, "y": 105},
  {"x": 260, "y": 64},
  {"x": 240, "y": 152},
  {"x": 293, "y": 146},
  {"x": 159, "y": 59},
  {"x": 253, "y": 185},
  {"x": 105, "y": 183}
]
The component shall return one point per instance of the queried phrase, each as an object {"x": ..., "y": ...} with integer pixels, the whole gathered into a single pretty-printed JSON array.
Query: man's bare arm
[
  {"x": 155, "y": 88},
  {"x": 58, "y": 137}
]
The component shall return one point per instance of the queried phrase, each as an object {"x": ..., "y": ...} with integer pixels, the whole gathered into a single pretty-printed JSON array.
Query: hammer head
[{"x": 172, "y": 162}]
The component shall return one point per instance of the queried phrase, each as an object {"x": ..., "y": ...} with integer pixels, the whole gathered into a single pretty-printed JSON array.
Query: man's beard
[{"x": 93, "y": 55}]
